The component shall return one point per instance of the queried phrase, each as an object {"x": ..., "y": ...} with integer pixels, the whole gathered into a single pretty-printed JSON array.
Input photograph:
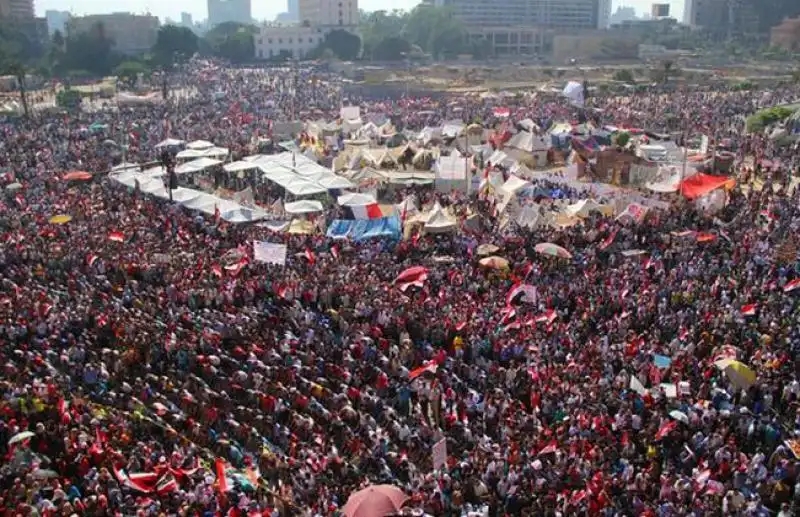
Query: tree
[
  {"x": 129, "y": 71},
  {"x": 232, "y": 41},
  {"x": 436, "y": 30},
  {"x": 12, "y": 62},
  {"x": 393, "y": 48},
  {"x": 344, "y": 44},
  {"x": 90, "y": 51},
  {"x": 624, "y": 76},
  {"x": 175, "y": 44},
  {"x": 378, "y": 26}
]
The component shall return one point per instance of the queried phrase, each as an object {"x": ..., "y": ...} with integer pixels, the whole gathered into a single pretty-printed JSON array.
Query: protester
[{"x": 161, "y": 370}]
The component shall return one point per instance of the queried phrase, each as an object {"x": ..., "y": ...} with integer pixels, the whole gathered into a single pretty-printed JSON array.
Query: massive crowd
[{"x": 166, "y": 372}]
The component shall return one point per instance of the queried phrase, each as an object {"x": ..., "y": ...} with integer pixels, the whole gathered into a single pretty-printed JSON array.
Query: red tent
[{"x": 701, "y": 184}]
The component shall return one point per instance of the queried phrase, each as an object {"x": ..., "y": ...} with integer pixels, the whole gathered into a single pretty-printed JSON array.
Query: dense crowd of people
[{"x": 151, "y": 366}]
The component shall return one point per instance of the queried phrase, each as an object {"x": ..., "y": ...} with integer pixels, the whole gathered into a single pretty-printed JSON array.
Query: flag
[
  {"x": 509, "y": 313},
  {"x": 550, "y": 448},
  {"x": 91, "y": 259},
  {"x": 791, "y": 286},
  {"x": 430, "y": 366},
  {"x": 335, "y": 252},
  {"x": 637, "y": 386},
  {"x": 666, "y": 429},
  {"x": 223, "y": 483},
  {"x": 609, "y": 240},
  {"x": 116, "y": 236},
  {"x": 141, "y": 482},
  {"x": 166, "y": 484},
  {"x": 548, "y": 316},
  {"x": 217, "y": 214},
  {"x": 217, "y": 270},
  {"x": 310, "y": 256},
  {"x": 749, "y": 309},
  {"x": 521, "y": 293},
  {"x": 706, "y": 237}
]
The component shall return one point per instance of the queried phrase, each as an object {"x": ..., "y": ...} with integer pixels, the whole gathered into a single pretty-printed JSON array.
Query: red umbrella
[
  {"x": 412, "y": 274},
  {"x": 77, "y": 176},
  {"x": 375, "y": 501}
]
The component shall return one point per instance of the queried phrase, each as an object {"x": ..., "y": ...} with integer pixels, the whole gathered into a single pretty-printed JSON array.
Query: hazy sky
[{"x": 262, "y": 9}]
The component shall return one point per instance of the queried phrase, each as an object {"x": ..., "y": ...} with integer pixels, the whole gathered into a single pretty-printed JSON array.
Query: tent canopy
[{"x": 701, "y": 184}]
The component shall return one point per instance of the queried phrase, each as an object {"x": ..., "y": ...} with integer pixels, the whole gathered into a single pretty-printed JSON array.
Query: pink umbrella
[
  {"x": 375, "y": 501},
  {"x": 412, "y": 274}
]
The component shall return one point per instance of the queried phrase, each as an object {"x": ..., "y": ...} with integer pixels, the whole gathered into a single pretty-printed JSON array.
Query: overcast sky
[{"x": 262, "y": 9}]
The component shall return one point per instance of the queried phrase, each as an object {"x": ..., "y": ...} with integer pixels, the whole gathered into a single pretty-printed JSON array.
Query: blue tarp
[{"x": 362, "y": 229}]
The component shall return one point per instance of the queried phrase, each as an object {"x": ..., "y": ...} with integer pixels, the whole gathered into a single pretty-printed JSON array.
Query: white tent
[
  {"x": 200, "y": 145},
  {"x": 216, "y": 152},
  {"x": 408, "y": 206},
  {"x": 574, "y": 92},
  {"x": 355, "y": 199},
  {"x": 332, "y": 181},
  {"x": 301, "y": 187},
  {"x": 124, "y": 166},
  {"x": 528, "y": 142},
  {"x": 666, "y": 181},
  {"x": 196, "y": 165},
  {"x": 439, "y": 222},
  {"x": 189, "y": 154},
  {"x": 170, "y": 142},
  {"x": 585, "y": 207},
  {"x": 303, "y": 207},
  {"x": 239, "y": 166},
  {"x": 451, "y": 173},
  {"x": 243, "y": 215},
  {"x": 513, "y": 184}
]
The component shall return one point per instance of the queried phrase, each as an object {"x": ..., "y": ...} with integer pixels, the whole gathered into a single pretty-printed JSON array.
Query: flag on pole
[
  {"x": 430, "y": 366},
  {"x": 791, "y": 286},
  {"x": 749, "y": 309},
  {"x": 116, "y": 236}
]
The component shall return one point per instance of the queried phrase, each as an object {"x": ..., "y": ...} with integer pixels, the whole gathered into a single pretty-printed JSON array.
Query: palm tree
[
  {"x": 667, "y": 65},
  {"x": 12, "y": 64}
]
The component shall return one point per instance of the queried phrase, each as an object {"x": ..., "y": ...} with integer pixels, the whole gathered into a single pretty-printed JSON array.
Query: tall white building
[
  {"x": 328, "y": 13},
  {"x": 293, "y": 41},
  {"x": 545, "y": 14}
]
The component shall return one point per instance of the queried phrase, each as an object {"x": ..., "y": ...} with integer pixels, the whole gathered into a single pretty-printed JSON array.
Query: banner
[{"x": 269, "y": 253}]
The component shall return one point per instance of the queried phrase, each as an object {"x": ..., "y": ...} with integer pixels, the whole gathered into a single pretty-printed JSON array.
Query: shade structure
[
  {"x": 375, "y": 501},
  {"x": 494, "y": 262},
  {"x": 77, "y": 176},
  {"x": 486, "y": 249},
  {"x": 552, "y": 250},
  {"x": 60, "y": 219},
  {"x": 738, "y": 373},
  {"x": 701, "y": 184},
  {"x": 21, "y": 437}
]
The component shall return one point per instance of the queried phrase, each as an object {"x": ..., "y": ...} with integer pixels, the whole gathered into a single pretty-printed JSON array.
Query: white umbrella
[
  {"x": 680, "y": 416},
  {"x": 19, "y": 437}
]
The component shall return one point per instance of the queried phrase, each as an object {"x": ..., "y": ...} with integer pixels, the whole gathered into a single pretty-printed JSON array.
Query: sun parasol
[
  {"x": 680, "y": 416},
  {"x": 77, "y": 176},
  {"x": 738, "y": 373},
  {"x": 13, "y": 187},
  {"x": 20, "y": 437},
  {"x": 375, "y": 501},
  {"x": 486, "y": 249},
  {"x": 552, "y": 250},
  {"x": 412, "y": 274},
  {"x": 60, "y": 219},
  {"x": 494, "y": 262}
]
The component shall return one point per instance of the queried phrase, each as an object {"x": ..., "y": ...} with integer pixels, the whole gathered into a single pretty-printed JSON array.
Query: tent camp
[
  {"x": 438, "y": 221},
  {"x": 701, "y": 184}
]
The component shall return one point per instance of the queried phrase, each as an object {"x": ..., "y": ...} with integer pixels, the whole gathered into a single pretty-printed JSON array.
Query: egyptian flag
[
  {"x": 666, "y": 429},
  {"x": 548, "y": 316},
  {"x": 509, "y": 315},
  {"x": 217, "y": 270},
  {"x": 310, "y": 256},
  {"x": 706, "y": 237},
  {"x": 550, "y": 448},
  {"x": 335, "y": 252},
  {"x": 609, "y": 240},
  {"x": 521, "y": 293},
  {"x": 166, "y": 484},
  {"x": 116, "y": 236},
  {"x": 749, "y": 309},
  {"x": 91, "y": 259},
  {"x": 430, "y": 367},
  {"x": 141, "y": 482},
  {"x": 791, "y": 286}
]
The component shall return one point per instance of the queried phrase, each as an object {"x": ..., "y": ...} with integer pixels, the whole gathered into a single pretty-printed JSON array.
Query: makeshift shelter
[
  {"x": 452, "y": 173},
  {"x": 585, "y": 207},
  {"x": 196, "y": 165},
  {"x": 529, "y": 144},
  {"x": 303, "y": 207},
  {"x": 199, "y": 145},
  {"x": 355, "y": 199},
  {"x": 514, "y": 184},
  {"x": 439, "y": 222}
]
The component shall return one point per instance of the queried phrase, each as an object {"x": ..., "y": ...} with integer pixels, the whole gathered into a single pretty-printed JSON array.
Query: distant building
[
  {"x": 328, "y": 13},
  {"x": 293, "y": 41},
  {"x": 543, "y": 14},
  {"x": 221, "y": 11},
  {"x": 293, "y": 8},
  {"x": 131, "y": 33},
  {"x": 600, "y": 45},
  {"x": 659, "y": 11},
  {"x": 56, "y": 20},
  {"x": 786, "y": 35},
  {"x": 17, "y": 9},
  {"x": 623, "y": 14},
  {"x": 186, "y": 20},
  {"x": 726, "y": 19}
]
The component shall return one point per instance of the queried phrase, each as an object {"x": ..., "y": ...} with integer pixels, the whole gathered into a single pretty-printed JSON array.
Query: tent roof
[{"x": 701, "y": 184}]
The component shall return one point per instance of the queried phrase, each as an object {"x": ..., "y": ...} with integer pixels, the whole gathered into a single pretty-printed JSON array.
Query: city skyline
[{"x": 267, "y": 10}]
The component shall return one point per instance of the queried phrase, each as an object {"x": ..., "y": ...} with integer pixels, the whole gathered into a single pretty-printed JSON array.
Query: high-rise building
[
  {"x": 221, "y": 11},
  {"x": 293, "y": 8},
  {"x": 56, "y": 21},
  {"x": 17, "y": 9},
  {"x": 131, "y": 33},
  {"x": 186, "y": 20},
  {"x": 328, "y": 13},
  {"x": 549, "y": 14},
  {"x": 733, "y": 18}
]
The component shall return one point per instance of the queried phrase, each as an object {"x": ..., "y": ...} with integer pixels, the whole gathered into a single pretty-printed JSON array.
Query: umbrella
[
  {"x": 552, "y": 250},
  {"x": 20, "y": 437},
  {"x": 486, "y": 249},
  {"x": 13, "y": 187},
  {"x": 97, "y": 126},
  {"x": 44, "y": 474},
  {"x": 680, "y": 416},
  {"x": 77, "y": 176},
  {"x": 375, "y": 501},
  {"x": 60, "y": 219},
  {"x": 738, "y": 373},
  {"x": 412, "y": 274},
  {"x": 494, "y": 262}
]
